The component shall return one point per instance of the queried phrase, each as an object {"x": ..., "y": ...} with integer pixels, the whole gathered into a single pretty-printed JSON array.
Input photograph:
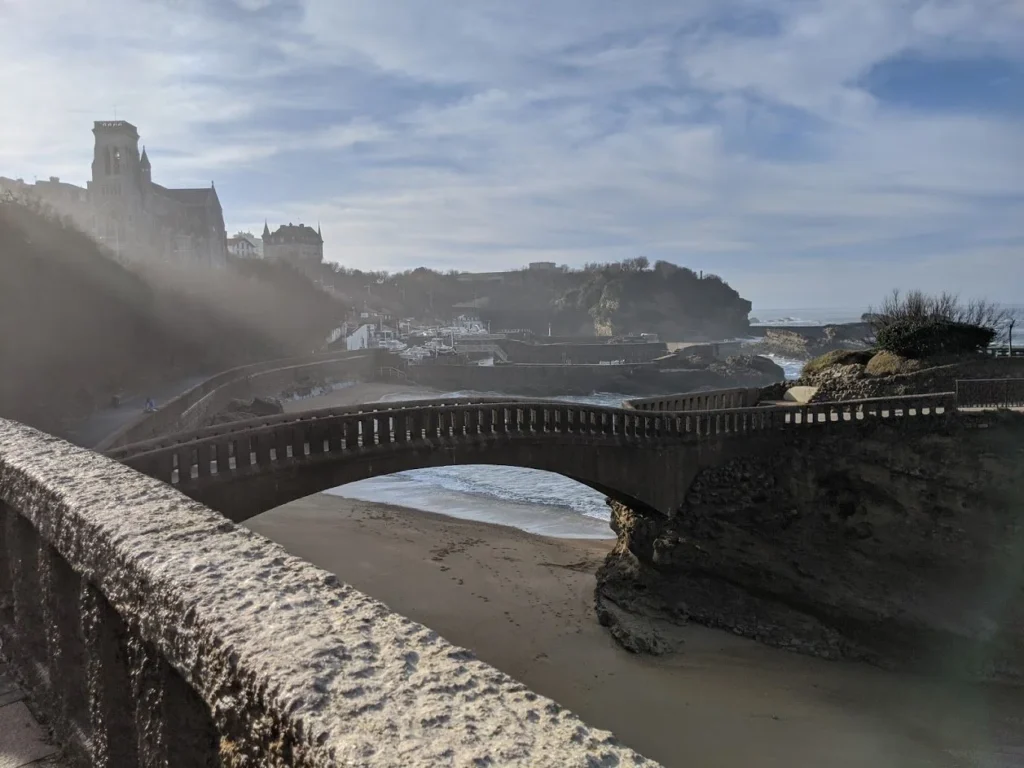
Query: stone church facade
[{"x": 136, "y": 218}]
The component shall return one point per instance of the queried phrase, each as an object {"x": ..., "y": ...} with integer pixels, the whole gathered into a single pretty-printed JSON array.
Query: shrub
[
  {"x": 837, "y": 357},
  {"x": 917, "y": 338},
  {"x": 886, "y": 363}
]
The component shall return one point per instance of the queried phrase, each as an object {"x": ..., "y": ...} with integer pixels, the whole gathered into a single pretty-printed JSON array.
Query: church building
[
  {"x": 141, "y": 219},
  {"x": 123, "y": 208}
]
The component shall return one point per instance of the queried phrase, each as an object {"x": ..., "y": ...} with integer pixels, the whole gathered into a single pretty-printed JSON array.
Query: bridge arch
[{"x": 642, "y": 459}]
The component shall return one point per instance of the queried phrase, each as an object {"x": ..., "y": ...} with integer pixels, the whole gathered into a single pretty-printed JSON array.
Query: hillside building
[{"x": 296, "y": 244}]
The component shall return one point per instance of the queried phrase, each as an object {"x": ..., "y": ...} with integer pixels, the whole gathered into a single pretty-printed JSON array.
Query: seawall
[
  {"x": 549, "y": 380},
  {"x": 899, "y": 543}
]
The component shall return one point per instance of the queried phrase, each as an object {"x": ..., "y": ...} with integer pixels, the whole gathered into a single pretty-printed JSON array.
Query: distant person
[{"x": 150, "y": 405}]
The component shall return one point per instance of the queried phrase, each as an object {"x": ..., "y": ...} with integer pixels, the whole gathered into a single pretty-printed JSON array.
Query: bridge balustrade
[
  {"x": 990, "y": 393},
  {"x": 715, "y": 399},
  {"x": 334, "y": 433}
]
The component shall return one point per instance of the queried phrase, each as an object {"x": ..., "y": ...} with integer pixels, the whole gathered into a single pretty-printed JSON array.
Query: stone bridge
[{"x": 644, "y": 459}]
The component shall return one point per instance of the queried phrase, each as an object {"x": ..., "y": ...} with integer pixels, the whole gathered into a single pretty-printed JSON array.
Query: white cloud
[{"x": 491, "y": 133}]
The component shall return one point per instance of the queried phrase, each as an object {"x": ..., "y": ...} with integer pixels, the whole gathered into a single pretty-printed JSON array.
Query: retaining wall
[
  {"x": 580, "y": 354},
  {"x": 190, "y": 409}
]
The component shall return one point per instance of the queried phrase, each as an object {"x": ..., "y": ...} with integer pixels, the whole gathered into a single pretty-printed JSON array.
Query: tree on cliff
[{"x": 917, "y": 324}]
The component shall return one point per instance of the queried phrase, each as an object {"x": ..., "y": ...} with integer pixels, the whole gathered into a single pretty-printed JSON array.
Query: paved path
[
  {"x": 22, "y": 740},
  {"x": 108, "y": 420}
]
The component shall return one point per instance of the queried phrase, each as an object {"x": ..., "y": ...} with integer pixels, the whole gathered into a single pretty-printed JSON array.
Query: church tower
[
  {"x": 115, "y": 156},
  {"x": 115, "y": 191}
]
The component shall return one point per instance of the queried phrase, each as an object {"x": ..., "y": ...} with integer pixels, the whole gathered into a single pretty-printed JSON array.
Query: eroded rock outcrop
[
  {"x": 901, "y": 544},
  {"x": 805, "y": 342}
]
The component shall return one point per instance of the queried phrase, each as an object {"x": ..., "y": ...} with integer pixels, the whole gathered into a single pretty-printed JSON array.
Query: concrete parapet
[
  {"x": 152, "y": 631},
  {"x": 734, "y": 397}
]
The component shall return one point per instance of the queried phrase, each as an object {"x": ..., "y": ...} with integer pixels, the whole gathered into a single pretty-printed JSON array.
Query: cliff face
[{"x": 897, "y": 543}]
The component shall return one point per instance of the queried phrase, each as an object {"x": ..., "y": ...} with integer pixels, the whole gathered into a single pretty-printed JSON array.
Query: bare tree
[{"x": 944, "y": 307}]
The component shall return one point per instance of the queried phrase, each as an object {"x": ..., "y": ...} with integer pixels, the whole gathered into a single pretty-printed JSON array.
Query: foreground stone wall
[
  {"x": 896, "y": 542},
  {"x": 152, "y": 631}
]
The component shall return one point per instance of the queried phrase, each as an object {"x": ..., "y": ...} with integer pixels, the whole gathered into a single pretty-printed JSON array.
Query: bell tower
[
  {"x": 115, "y": 191},
  {"x": 115, "y": 156}
]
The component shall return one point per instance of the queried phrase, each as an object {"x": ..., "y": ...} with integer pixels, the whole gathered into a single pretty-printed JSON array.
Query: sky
[{"x": 813, "y": 153}]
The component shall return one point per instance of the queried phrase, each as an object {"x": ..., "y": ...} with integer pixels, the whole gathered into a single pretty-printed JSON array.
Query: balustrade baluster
[
  {"x": 282, "y": 440},
  {"x": 204, "y": 458},
  {"x": 261, "y": 447},
  {"x": 65, "y": 648},
  {"x": 243, "y": 455},
  {"x": 112, "y": 739},
  {"x": 23, "y": 544},
  {"x": 317, "y": 433},
  {"x": 173, "y": 725},
  {"x": 223, "y": 456},
  {"x": 6, "y": 585},
  {"x": 300, "y": 437}
]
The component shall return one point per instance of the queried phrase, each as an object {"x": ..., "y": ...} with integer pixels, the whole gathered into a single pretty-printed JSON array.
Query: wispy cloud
[{"x": 775, "y": 142}]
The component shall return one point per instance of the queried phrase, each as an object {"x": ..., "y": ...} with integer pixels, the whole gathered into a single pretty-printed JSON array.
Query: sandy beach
[{"x": 524, "y": 604}]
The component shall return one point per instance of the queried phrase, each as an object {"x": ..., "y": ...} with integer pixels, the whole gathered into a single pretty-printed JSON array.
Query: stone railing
[
  {"x": 245, "y": 447},
  {"x": 152, "y": 631},
  {"x": 291, "y": 420},
  {"x": 189, "y": 409},
  {"x": 990, "y": 393},
  {"x": 1005, "y": 352},
  {"x": 714, "y": 399}
]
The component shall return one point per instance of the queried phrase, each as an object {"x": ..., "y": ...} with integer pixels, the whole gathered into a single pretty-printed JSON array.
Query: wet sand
[{"x": 524, "y": 604}]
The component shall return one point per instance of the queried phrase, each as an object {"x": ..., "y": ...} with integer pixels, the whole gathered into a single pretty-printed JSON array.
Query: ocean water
[{"x": 530, "y": 499}]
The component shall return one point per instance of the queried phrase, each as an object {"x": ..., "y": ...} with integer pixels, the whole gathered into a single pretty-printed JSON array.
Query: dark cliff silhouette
[{"x": 77, "y": 327}]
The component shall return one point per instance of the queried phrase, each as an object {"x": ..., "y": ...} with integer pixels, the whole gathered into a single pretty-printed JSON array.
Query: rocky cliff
[
  {"x": 854, "y": 377},
  {"x": 804, "y": 343},
  {"x": 898, "y": 543}
]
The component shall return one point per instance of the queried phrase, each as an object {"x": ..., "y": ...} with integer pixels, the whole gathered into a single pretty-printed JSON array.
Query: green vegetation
[
  {"x": 838, "y": 357},
  {"x": 886, "y": 363},
  {"x": 917, "y": 325}
]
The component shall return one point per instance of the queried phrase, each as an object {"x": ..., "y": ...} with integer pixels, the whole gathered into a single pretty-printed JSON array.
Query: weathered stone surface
[
  {"x": 852, "y": 382},
  {"x": 895, "y": 542},
  {"x": 291, "y": 667},
  {"x": 804, "y": 343}
]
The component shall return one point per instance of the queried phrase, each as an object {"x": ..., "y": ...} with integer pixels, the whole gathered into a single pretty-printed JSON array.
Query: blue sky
[{"x": 812, "y": 152}]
